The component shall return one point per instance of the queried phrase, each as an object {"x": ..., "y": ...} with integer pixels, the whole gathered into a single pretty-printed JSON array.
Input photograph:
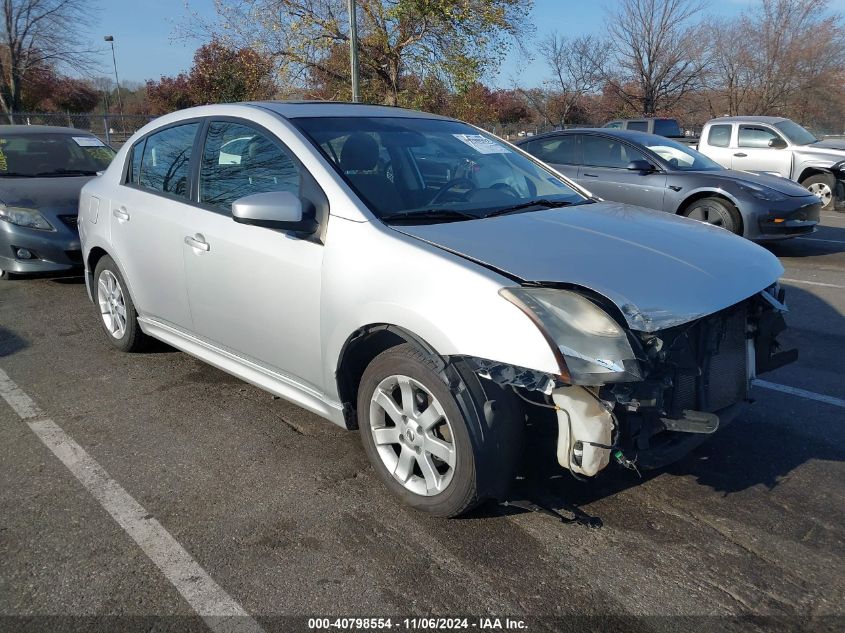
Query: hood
[
  {"x": 660, "y": 270},
  {"x": 778, "y": 183},
  {"x": 59, "y": 194},
  {"x": 834, "y": 144}
]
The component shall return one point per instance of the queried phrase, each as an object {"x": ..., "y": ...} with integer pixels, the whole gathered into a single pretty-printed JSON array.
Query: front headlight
[
  {"x": 30, "y": 218},
  {"x": 761, "y": 193},
  {"x": 594, "y": 347}
]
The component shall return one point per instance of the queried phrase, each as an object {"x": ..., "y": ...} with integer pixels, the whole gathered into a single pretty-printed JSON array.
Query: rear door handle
[
  {"x": 197, "y": 241},
  {"x": 121, "y": 214},
  {"x": 591, "y": 175},
  {"x": 740, "y": 155}
]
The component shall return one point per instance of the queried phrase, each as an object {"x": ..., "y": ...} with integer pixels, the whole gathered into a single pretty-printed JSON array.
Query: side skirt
[{"x": 247, "y": 370}]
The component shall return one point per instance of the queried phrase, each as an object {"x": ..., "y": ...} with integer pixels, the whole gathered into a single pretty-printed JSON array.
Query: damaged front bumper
[{"x": 695, "y": 380}]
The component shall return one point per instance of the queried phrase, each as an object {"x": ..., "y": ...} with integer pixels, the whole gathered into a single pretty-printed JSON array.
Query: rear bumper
[{"x": 51, "y": 251}]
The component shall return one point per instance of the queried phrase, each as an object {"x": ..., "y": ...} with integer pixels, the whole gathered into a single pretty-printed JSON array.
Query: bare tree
[
  {"x": 577, "y": 70},
  {"x": 778, "y": 57},
  {"x": 657, "y": 55},
  {"x": 38, "y": 34}
]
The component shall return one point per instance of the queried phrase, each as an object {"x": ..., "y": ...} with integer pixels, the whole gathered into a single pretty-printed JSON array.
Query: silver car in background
[{"x": 413, "y": 277}]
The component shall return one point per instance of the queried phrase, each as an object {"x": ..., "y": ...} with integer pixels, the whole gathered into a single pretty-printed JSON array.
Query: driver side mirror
[
  {"x": 777, "y": 143},
  {"x": 279, "y": 210},
  {"x": 641, "y": 166}
]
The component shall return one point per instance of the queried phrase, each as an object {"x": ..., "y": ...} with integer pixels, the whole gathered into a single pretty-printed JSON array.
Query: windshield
[
  {"x": 680, "y": 156},
  {"x": 795, "y": 133},
  {"x": 435, "y": 169},
  {"x": 39, "y": 154}
]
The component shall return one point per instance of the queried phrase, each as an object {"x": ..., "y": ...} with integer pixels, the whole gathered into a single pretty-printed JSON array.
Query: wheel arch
[
  {"x": 94, "y": 256},
  {"x": 358, "y": 351},
  {"x": 814, "y": 171}
]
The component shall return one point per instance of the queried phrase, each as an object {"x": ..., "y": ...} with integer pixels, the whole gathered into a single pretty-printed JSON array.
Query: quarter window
[
  {"x": 165, "y": 161},
  {"x": 238, "y": 160},
  {"x": 719, "y": 136},
  {"x": 753, "y": 136}
]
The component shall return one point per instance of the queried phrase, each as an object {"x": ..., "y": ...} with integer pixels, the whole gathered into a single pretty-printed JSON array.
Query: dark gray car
[
  {"x": 42, "y": 170},
  {"x": 658, "y": 173}
]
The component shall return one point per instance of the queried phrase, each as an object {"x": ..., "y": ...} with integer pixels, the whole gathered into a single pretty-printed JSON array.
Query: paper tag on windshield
[
  {"x": 482, "y": 144},
  {"x": 88, "y": 141}
]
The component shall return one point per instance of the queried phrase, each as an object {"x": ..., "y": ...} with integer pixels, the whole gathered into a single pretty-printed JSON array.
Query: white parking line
[
  {"x": 795, "y": 391},
  {"x": 206, "y": 597},
  {"x": 811, "y": 283},
  {"x": 816, "y": 239}
]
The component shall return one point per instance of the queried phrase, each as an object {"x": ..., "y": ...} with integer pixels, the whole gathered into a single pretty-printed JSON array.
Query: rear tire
[
  {"x": 715, "y": 211},
  {"x": 118, "y": 316},
  {"x": 432, "y": 445},
  {"x": 824, "y": 186}
]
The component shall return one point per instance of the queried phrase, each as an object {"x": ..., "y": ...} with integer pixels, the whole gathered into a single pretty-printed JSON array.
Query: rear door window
[
  {"x": 166, "y": 159},
  {"x": 719, "y": 136},
  {"x": 559, "y": 149},
  {"x": 638, "y": 126}
]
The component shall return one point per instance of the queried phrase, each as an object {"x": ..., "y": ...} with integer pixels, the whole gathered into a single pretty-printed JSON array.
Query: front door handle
[
  {"x": 740, "y": 155},
  {"x": 121, "y": 214},
  {"x": 591, "y": 175},
  {"x": 197, "y": 241}
]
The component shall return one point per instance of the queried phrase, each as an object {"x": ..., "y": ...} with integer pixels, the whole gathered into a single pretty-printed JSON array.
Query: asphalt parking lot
[{"x": 281, "y": 516}]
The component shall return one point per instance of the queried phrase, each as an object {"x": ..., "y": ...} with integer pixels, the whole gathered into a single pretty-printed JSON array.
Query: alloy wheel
[
  {"x": 711, "y": 214},
  {"x": 412, "y": 435},
  {"x": 112, "y": 304},
  {"x": 823, "y": 191}
]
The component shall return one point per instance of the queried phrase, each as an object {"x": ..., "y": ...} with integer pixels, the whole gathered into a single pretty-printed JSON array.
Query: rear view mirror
[
  {"x": 640, "y": 165},
  {"x": 280, "y": 210},
  {"x": 777, "y": 143}
]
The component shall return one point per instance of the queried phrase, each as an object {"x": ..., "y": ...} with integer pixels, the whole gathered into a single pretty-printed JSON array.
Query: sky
[{"x": 146, "y": 48}]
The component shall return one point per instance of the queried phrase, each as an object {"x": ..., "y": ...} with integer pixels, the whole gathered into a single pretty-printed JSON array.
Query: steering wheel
[{"x": 450, "y": 185}]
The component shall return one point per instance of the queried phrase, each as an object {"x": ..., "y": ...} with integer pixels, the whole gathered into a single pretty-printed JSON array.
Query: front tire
[
  {"x": 118, "y": 316},
  {"x": 715, "y": 211},
  {"x": 823, "y": 186},
  {"x": 430, "y": 449}
]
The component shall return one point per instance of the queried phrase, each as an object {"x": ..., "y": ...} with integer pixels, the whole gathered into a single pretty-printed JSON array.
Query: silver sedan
[{"x": 418, "y": 279}]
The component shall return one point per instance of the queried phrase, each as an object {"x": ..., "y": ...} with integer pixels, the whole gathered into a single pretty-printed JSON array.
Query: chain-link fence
[{"x": 112, "y": 129}]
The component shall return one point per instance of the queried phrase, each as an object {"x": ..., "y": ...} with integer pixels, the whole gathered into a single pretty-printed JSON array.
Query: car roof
[
  {"x": 311, "y": 109},
  {"x": 630, "y": 135},
  {"x": 643, "y": 118},
  {"x": 748, "y": 119},
  {"x": 41, "y": 129}
]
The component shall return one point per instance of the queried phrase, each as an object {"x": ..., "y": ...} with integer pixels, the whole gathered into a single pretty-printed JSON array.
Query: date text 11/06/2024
[{"x": 419, "y": 624}]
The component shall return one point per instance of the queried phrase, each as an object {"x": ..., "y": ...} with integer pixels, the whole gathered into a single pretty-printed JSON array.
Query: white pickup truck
[{"x": 775, "y": 145}]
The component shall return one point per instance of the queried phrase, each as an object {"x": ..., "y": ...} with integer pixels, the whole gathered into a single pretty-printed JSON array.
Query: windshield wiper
[
  {"x": 431, "y": 215},
  {"x": 539, "y": 202},
  {"x": 66, "y": 172},
  {"x": 14, "y": 174}
]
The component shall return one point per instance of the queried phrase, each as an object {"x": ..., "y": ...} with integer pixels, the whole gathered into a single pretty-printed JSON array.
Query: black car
[
  {"x": 658, "y": 173},
  {"x": 42, "y": 170}
]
